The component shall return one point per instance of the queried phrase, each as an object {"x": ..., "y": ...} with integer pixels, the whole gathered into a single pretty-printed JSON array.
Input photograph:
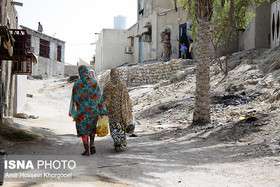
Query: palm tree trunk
[
  {"x": 204, "y": 56},
  {"x": 204, "y": 53}
]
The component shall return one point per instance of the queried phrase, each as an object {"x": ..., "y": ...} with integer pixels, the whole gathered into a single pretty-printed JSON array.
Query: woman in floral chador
[
  {"x": 120, "y": 109},
  {"x": 86, "y": 107}
]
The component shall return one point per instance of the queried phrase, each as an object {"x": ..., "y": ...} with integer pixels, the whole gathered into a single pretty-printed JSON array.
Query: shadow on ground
[{"x": 172, "y": 150}]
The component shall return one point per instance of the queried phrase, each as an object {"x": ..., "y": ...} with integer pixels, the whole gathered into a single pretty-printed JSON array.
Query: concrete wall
[
  {"x": 131, "y": 34},
  {"x": 21, "y": 92},
  {"x": 70, "y": 70},
  {"x": 247, "y": 39},
  {"x": 148, "y": 49},
  {"x": 163, "y": 4},
  {"x": 110, "y": 49},
  {"x": 257, "y": 34},
  {"x": 263, "y": 15},
  {"x": 47, "y": 67}
]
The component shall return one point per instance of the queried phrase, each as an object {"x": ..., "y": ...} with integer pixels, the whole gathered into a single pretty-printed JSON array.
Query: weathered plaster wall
[
  {"x": 263, "y": 15},
  {"x": 110, "y": 49},
  {"x": 47, "y": 67},
  {"x": 131, "y": 33},
  {"x": 257, "y": 34},
  {"x": 70, "y": 70},
  {"x": 21, "y": 92},
  {"x": 171, "y": 19}
]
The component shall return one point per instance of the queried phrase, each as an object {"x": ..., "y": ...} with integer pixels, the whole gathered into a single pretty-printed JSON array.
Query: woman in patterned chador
[
  {"x": 86, "y": 107},
  {"x": 120, "y": 109}
]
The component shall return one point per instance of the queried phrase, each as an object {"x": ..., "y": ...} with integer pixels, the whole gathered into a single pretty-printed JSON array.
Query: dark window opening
[
  {"x": 147, "y": 36},
  {"x": 59, "y": 53},
  {"x": 44, "y": 48},
  {"x": 131, "y": 41},
  {"x": 141, "y": 12}
]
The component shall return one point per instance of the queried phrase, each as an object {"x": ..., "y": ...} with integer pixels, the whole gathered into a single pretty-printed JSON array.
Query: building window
[
  {"x": 44, "y": 48},
  {"x": 59, "y": 53},
  {"x": 131, "y": 41}
]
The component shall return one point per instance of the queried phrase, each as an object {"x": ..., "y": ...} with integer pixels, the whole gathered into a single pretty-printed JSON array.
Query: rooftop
[{"x": 39, "y": 33}]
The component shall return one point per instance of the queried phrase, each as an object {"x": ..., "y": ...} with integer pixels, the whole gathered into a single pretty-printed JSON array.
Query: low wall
[
  {"x": 47, "y": 68},
  {"x": 70, "y": 70},
  {"x": 152, "y": 73}
]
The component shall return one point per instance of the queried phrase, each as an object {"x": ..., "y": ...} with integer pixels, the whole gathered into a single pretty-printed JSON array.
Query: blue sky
[{"x": 76, "y": 21}]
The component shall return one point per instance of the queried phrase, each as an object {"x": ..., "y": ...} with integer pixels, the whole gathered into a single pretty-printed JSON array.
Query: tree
[
  {"x": 204, "y": 55},
  {"x": 216, "y": 22}
]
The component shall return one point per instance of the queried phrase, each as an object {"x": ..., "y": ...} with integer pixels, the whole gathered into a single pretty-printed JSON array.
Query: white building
[
  {"x": 119, "y": 22},
  {"x": 110, "y": 49},
  {"x": 154, "y": 18},
  {"x": 50, "y": 52},
  {"x": 143, "y": 41}
]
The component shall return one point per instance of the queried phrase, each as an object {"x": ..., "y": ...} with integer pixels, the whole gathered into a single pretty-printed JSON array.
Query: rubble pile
[{"x": 246, "y": 102}]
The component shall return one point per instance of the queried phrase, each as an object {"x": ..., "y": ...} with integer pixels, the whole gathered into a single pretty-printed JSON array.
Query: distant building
[
  {"x": 143, "y": 42},
  {"x": 157, "y": 20},
  {"x": 50, "y": 52},
  {"x": 110, "y": 49},
  {"x": 119, "y": 22}
]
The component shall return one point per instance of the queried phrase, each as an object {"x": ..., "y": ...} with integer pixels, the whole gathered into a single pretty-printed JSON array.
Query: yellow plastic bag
[{"x": 102, "y": 128}]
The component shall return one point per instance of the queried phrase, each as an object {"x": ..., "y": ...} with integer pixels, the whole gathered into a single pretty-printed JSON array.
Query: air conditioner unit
[{"x": 128, "y": 50}]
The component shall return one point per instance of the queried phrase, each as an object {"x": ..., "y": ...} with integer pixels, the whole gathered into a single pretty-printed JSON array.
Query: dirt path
[{"x": 177, "y": 156}]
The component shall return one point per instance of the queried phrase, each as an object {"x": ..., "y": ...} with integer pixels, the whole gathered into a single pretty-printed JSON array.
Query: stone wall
[{"x": 152, "y": 73}]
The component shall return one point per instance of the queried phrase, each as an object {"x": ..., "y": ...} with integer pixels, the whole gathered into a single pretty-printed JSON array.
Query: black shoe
[
  {"x": 133, "y": 135},
  {"x": 86, "y": 153},
  {"x": 120, "y": 148},
  {"x": 92, "y": 150}
]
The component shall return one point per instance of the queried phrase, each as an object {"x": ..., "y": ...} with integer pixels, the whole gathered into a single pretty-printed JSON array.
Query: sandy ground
[{"x": 167, "y": 152}]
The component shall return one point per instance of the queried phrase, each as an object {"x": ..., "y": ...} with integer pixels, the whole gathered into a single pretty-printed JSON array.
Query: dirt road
[{"x": 173, "y": 156}]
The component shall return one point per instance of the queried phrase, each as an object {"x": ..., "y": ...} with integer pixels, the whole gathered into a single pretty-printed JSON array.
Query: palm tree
[{"x": 204, "y": 55}]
